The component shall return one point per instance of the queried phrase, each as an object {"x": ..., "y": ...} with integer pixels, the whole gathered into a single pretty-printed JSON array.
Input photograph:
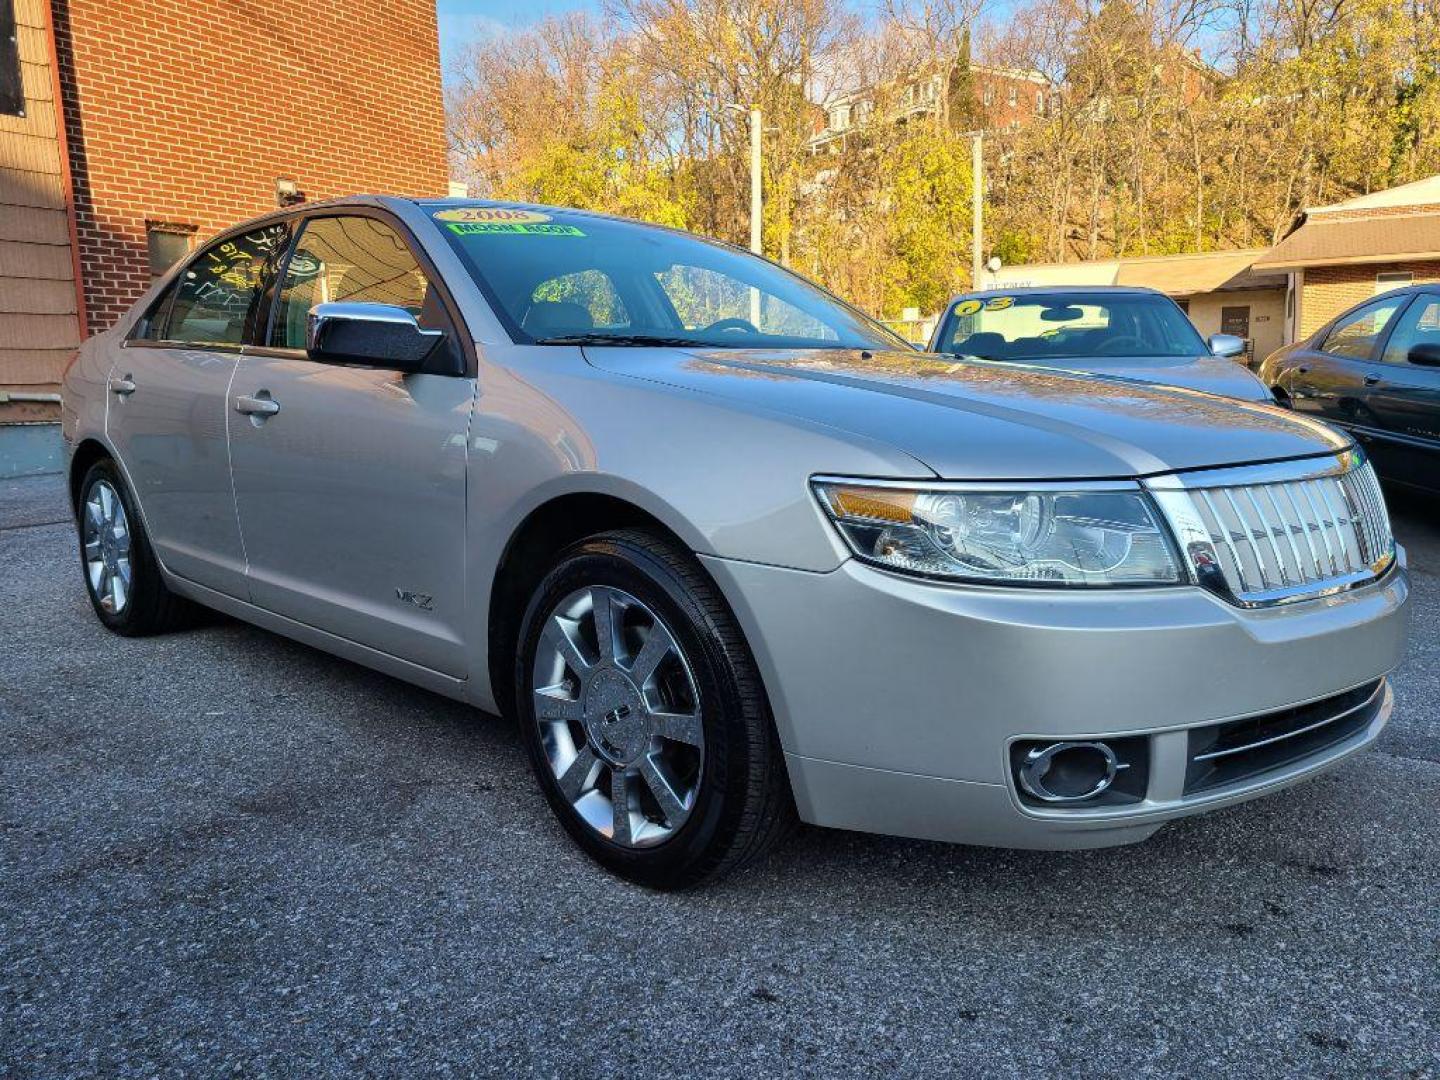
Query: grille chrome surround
[{"x": 1262, "y": 535}]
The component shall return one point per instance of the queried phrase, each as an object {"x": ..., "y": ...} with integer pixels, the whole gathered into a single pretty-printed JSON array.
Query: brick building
[
  {"x": 1003, "y": 99},
  {"x": 131, "y": 129},
  {"x": 1350, "y": 251}
]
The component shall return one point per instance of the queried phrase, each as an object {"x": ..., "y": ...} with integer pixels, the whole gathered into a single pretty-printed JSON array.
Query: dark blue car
[{"x": 1375, "y": 371}]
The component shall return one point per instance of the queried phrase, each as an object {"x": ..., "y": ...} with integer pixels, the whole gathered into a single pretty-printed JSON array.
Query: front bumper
[{"x": 896, "y": 699}]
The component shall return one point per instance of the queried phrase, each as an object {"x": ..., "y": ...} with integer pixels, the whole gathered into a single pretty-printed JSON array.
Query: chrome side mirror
[
  {"x": 1227, "y": 345},
  {"x": 374, "y": 335}
]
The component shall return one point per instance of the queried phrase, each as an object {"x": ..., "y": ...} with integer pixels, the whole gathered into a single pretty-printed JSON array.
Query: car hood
[
  {"x": 977, "y": 419},
  {"x": 1212, "y": 374}
]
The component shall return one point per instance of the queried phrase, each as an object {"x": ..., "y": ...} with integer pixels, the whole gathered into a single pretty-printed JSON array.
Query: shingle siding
[{"x": 39, "y": 325}]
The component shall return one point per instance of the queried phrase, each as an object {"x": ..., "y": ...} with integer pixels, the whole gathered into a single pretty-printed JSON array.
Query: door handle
[
  {"x": 1372, "y": 380},
  {"x": 122, "y": 387},
  {"x": 257, "y": 406}
]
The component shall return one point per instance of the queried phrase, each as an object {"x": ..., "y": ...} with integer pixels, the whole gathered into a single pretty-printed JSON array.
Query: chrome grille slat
[
  {"x": 1327, "y": 489},
  {"x": 1318, "y": 523},
  {"x": 1249, "y": 533},
  {"x": 1240, "y": 527},
  {"x": 1269, "y": 531},
  {"x": 1225, "y": 535},
  {"x": 1304, "y": 529},
  {"x": 1289, "y": 528}
]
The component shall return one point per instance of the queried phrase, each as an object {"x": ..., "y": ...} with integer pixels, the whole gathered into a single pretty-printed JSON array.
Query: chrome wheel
[
  {"x": 105, "y": 533},
  {"x": 619, "y": 716}
]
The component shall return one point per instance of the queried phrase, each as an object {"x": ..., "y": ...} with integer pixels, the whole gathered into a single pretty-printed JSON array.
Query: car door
[
  {"x": 168, "y": 415},
  {"x": 1401, "y": 421},
  {"x": 1328, "y": 379},
  {"x": 350, "y": 480}
]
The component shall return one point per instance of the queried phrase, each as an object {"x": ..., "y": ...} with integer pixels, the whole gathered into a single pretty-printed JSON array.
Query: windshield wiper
[{"x": 622, "y": 340}]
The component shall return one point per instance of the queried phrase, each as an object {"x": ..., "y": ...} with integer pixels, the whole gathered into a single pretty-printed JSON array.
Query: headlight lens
[{"x": 1079, "y": 537}]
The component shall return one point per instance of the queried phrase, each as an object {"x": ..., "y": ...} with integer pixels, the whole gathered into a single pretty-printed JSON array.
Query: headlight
[{"x": 1108, "y": 535}]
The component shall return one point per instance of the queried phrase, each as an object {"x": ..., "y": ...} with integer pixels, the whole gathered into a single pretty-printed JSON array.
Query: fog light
[{"x": 1066, "y": 772}]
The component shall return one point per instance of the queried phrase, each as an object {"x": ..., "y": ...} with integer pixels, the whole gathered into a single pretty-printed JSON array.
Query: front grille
[
  {"x": 1221, "y": 754},
  {"x": 1263, "y": 535}
]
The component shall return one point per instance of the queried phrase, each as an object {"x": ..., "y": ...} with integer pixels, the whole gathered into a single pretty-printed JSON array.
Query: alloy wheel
[
  {"x": 105, "y": 533},
  {"x": 619, "y": 716}
]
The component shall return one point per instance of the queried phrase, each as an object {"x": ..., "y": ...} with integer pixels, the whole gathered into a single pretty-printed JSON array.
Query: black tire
[
  {"x": 150, "y": 607},
  {"x": 742, "y": 804}
]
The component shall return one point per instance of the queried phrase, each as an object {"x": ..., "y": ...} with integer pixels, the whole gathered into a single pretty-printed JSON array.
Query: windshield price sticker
[
  {"x": 494, "y": 214},
  {"x": 995, "y": 303}
]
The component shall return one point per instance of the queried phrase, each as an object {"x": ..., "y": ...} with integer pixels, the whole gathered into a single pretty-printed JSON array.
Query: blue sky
[{"x": 466, "y": 20}]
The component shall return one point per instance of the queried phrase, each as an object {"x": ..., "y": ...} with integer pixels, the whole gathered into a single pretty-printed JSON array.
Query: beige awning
[
  {"x": 1187, "y": 275},
  {"x": 1356, "y": 240}
]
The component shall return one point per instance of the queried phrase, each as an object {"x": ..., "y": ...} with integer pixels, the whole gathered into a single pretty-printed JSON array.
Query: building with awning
[
  {"x": 1222, "y": 291},
  {"x": 1341, "y": 254}
]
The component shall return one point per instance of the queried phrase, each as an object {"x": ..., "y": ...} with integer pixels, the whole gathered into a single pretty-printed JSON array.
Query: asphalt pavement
[{"x": 223, "y": 853}]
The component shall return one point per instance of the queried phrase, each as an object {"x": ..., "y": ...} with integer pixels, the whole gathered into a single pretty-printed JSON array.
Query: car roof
[{"x": 544, "y": 208}]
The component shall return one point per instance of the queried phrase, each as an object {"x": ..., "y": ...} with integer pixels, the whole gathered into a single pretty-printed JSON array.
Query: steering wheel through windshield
[{"x": 732, "y": 326}]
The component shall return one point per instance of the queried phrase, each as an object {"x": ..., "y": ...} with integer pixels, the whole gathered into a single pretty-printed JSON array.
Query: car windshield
[
  {"x": 1051, "y": 326},
  {"x": 561, "y": 278}
]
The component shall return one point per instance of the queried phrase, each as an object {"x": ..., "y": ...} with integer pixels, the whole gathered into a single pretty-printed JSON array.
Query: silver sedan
[{"x": 726, "y": 550}]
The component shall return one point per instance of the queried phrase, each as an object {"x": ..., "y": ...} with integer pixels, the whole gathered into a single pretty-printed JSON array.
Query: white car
[{"x": 1112, "y": 330}]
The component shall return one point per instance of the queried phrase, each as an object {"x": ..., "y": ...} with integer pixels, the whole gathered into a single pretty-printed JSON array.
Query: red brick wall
[
  {"x": 186, "y": 111},
  {"x": 1329, "y": 290},
  {"x": 998, "y": 113}
]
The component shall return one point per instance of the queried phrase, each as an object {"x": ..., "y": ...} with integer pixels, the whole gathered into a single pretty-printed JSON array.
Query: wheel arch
[
  {"x": 531, "y": 550},
  {"x": 87, "y": 453}
]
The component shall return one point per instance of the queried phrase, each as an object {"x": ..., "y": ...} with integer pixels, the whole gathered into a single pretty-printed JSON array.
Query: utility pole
[
  {"x": 977, "y": 206},
  {"x": 756, "y": 239}
]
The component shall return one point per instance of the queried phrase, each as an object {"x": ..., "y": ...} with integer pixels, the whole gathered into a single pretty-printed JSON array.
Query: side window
[
  {"x": 585, "y": 300},
  {"x": 355, "y": 259},
  {"x": 1354, "y": 336},
  {"x": 702, "y": 297},
  {"x": 1420, "y": 325},
  {"x": 211, "y": 302}
]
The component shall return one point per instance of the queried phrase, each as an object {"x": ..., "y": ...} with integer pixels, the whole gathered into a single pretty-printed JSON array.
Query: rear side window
[
  {"x": 1355, "y": 335},
  {"x": 215, "y": 297},
  {"x": 357, "y": 260}
]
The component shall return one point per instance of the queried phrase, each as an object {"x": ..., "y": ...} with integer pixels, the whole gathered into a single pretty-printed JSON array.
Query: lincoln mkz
[{"x": 728, "y": 551}]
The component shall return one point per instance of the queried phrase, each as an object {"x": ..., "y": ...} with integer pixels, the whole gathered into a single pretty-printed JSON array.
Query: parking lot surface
[{"x": 222, "y": 852}]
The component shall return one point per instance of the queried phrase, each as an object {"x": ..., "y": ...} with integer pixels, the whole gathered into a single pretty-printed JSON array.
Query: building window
[
  {"x": 167, "y": 245},
  {"x": 840, "y": 118},
  {"x": 1014, "y": 97},
  {"x": 1394, "y": 280},
  {"x": 988, "y": 96},
  {"x": 12, "y": 95},
  {"x": 1039, "y": 102}
]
